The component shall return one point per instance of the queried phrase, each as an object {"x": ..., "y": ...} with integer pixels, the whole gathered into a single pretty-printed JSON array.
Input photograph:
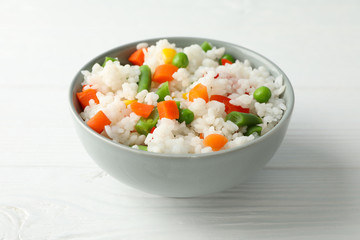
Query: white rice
[{"x": 116, "y": 83}]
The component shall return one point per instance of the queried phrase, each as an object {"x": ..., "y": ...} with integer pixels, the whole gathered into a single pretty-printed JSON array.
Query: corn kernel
[
  {"x": 184, "y": 96},
  {"x": 128, "y": 102},
  {"x": 168, "y": 55}
]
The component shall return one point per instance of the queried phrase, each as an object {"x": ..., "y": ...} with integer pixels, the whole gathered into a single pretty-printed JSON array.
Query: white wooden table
[{"x": 51, "y": 189}]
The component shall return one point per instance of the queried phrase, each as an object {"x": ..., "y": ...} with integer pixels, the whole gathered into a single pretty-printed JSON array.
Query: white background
[{"x": 51, "y": 189}]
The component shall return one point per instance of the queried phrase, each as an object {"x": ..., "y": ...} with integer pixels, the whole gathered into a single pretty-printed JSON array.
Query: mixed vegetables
[{"x": 171, "y": 109}]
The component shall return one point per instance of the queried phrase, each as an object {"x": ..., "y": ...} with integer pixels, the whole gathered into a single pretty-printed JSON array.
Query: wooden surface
[{"x": 51, "y": 189}]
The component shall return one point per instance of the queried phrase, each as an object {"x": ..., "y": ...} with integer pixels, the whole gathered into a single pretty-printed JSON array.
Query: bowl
[{"x": 181, "y": 175}]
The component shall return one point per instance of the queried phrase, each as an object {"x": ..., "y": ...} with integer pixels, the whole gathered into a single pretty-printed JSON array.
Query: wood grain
[{"x": 85, "y": 203}]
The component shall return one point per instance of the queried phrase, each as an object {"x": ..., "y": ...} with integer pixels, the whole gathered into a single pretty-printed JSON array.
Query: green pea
[
  {"x": 186, "y": 115},
  {"x": 145, "y": 78},
  {"x": 262, "y": 94},
  {"x": 243, "y": 119},
  {"x": 180, "y": 60},
  {"x": 252, "y": 129},
  {"x": 142, "y": 147},
  {"x": 109, "y": 59},
  {"x": 227, "y": 57},
  {"x": 178, "y": 104},
  {"x": 206, "y": 46},
  {"x": 144, "y": 125},
  {"x": 163, "y": 91}
]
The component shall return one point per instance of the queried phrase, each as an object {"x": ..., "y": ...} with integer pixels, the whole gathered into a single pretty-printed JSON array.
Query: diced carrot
[
  {"x": 137, "y": 57},
  {"x": 201, "y": 136},
  {"x": 98, "y": 122},
  {"x": 85, "y": 96},
  {"x": 224, "y": 61},
  {"x": 163, "y": 73},
  {"x": 215, "y": 141},
  {"x": 141, "y": 109},
  {"x": 168, "y": 109},
  {"x": 228, "y": 106},
  {"x": 199, "y": 91}
]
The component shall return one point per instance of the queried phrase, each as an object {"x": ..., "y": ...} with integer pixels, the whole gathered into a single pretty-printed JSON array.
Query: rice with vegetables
[{"x": 195, "y": 99}]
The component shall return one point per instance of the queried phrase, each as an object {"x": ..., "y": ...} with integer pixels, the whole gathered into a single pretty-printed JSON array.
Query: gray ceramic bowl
[{"x": 184, "y": 175}]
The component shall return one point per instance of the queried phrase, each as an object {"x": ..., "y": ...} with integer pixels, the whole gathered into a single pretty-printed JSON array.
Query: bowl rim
[{"x": 287, "y": 114}]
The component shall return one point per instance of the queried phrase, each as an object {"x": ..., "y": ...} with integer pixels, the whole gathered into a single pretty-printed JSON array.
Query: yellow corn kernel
[
  {"x": 128, "y": 102},
  {"x": 168, "y": 55},
  {"x": 184, "y": 96}
]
